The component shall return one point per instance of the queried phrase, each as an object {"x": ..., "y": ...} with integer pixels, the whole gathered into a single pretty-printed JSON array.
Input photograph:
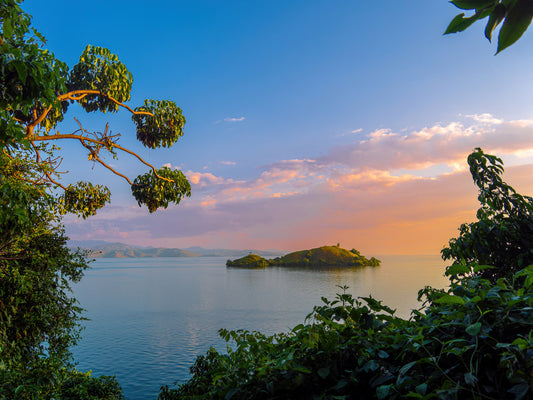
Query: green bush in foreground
[
  {"x": 473, "y": 341},
  {"x": 49, "y": 379}
]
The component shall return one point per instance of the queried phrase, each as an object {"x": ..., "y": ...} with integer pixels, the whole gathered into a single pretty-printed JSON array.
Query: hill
[
  {"x": 125, "y": 251},
  {"x": 249, "y": 261},
  {"x": 233, "y": 252},
  {"x": 325, "y": 256},
  {"x": 103, "y": 249}
]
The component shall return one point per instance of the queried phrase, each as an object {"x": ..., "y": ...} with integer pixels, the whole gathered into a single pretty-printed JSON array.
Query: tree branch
[
  {"x": 37, "y": 119},
  {"x": 38, "y": 161},
  {"x": 104, "y": 140},
  {"x": 82, "y": 138},
  {"x": 96, "y": 158},
  {"x": 83, "y": 93}
]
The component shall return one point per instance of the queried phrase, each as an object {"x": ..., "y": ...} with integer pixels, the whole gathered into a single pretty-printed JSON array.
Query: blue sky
[{"x": 292, "y": 108}]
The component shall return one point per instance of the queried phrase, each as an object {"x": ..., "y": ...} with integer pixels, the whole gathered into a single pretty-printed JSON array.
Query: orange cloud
[{"x": 391, "y": 193}]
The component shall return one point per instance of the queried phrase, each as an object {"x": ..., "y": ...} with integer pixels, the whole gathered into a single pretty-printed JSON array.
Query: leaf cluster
[
  {"x": 502, "y": 236},
  {"x": 101, "y": 71},
  {"x": 514, "y": 15},
  {"x": 37, "y": 313},
  {"x": 30, "y": 76},
  {"x": 163, "y": 127},
  {"x": 48, "y": 379},
  {"x": 156, "y": 193}
]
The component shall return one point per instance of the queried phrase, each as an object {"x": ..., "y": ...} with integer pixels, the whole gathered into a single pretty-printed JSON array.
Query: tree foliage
[
  {"x": 39, "y": 317},
  {"x": 37, "y": 90},
  {"x": 502, "y": 236},
  {"x": 513, "y": 15}
]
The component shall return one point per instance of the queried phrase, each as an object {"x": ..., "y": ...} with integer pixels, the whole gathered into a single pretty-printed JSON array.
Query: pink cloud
[{"x": 388, "y": 193}]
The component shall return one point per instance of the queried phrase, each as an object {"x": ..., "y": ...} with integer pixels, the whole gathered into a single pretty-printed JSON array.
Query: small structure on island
[{"x": 325, "y": 256}]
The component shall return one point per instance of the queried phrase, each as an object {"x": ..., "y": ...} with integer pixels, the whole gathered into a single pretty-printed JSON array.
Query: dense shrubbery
[
  {"x": 473, "y": 340},
  {"x": 49, "y": 379},
  {"x": 39, "y": 318}
]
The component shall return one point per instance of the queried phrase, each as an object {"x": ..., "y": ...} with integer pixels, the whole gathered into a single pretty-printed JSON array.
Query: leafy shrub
[
  {"x": 503, "y": 234},
  {"x": 474, "y": 340},
  {"x": 48, "y": 379}
]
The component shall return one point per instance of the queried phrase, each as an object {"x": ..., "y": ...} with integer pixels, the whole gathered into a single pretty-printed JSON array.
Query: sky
[{"x": 309, "y": 123}]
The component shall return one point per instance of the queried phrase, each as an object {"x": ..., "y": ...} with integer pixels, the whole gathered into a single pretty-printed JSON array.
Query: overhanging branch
[
  {"x": 76, "y": 95},
  {"x": 102, "y": 142}
]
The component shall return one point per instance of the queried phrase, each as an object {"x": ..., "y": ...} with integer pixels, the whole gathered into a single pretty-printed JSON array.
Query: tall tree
[
  {"x": 514, "y": 15},
  {"x": 37, "y": 89},
  {"x": 39, "y": 318}
]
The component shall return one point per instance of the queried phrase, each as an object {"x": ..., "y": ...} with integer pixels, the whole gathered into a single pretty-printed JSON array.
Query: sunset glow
[{"x": 308, "y": 123}]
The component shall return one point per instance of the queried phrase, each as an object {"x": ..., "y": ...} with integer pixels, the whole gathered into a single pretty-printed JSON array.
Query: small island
[{"x": 325, "y": 256}]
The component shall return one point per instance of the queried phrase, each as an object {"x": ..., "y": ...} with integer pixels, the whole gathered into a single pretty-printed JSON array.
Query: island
[{"x": 325, "y": 256}]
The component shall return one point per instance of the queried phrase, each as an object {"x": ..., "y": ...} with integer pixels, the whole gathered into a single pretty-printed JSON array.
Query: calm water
[{"x": 150, "y": 318}]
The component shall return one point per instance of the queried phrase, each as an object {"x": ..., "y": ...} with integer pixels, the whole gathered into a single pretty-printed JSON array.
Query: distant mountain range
[{"x": 103, "y": 249}]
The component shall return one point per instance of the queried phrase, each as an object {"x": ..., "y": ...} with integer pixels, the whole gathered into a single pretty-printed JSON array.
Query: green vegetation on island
[
  {"x": 325, "y": 256},
  {"x": 249, "y": 261}
]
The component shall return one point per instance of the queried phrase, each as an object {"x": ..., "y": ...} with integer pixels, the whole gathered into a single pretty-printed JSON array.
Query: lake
[{"x": 151, "y": 318}]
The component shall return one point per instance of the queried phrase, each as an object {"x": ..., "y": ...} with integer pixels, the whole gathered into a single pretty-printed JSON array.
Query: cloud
[
  {"x": 228, "y": 162},
  {"x": 439, "y": 144},
  {"x": 485, "y": 118},
  {"x": 234, "y": 119},
  {"x": 202, "y": 179},
  {"x": 388, "y": 192}
]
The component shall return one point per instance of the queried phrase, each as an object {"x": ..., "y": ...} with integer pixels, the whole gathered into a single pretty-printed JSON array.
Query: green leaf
[
  {"x": 458, "y": 24},
  {"x": 298, "y": 327},
  {"x": 496, "y": 17},
  {"x": 472, "y": 4},
  {"x": 479, "y": 268},
  {"x": 516, "y": 22},
  {"x": 473, "y": 330},
  {"x": 323, "y": 372},
  {"x": 21, "y": 71},
  {"x": 528, "y": 273},
  {"x": 521, "y": 343},
  {"x": 7, "y": 28},
  {"x": 383, "y": 354},
  {"x": 422, "y": 388},
  {"x": 519, "y": 390},
  {"x": 407, "y": 367},
  {"x": 383, "y": 391},
  {"x": 449, "y": 299},
  {"x": 231, "y": 393},
  {"x": 458, "y": 269}
]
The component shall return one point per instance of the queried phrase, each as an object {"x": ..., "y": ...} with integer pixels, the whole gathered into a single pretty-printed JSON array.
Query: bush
[{"x": 473, "y": 340}]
